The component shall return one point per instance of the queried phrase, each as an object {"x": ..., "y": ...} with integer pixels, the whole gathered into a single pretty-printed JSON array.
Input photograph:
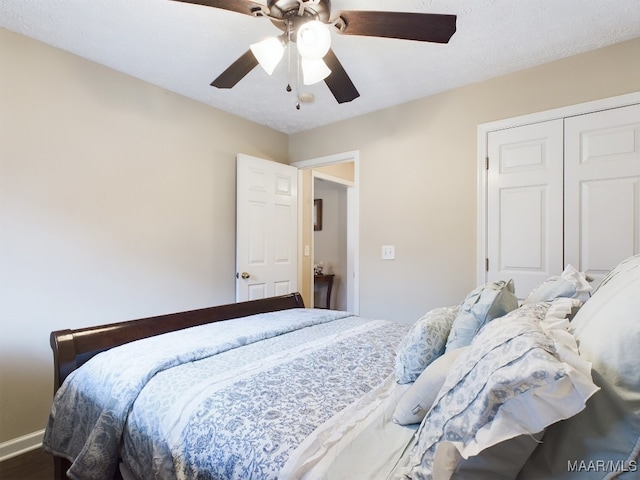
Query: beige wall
[
  {"x": 305, "y": 286},
  {"x": 117, "y": 201},
  {"x": 418, "y": 174},
  {"x": 344, "y": 170}
]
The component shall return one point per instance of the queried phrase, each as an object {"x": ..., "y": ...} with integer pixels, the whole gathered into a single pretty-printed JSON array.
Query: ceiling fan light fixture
[
  {"x": 268, "y": 52},
  {"x": 306, "y": 23},
  {"x": 313, "y": 40},
  {"x": 314, "y": 71}
]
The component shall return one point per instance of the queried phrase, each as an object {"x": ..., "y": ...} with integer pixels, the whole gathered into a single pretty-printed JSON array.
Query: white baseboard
[{"x": 17, "y": 446}]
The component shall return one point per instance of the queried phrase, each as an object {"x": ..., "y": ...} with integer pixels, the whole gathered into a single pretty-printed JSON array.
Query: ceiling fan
[{"x": 307, "y": 22}]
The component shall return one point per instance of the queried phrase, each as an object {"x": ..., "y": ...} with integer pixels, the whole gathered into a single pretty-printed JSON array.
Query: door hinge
[
  {"x": 486, "y": 264},
  {"x": 486, "y": 163}
]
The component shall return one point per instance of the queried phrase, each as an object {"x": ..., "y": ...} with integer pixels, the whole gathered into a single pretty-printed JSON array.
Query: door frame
[
  {"x": 353, "y": 220},
  {"x": 483, "y": 131}
]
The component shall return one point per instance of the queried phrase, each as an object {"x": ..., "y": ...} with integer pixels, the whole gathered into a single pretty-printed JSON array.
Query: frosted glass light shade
[
  {"x": 314, "y": 71},
  {"x": 314, "y": 40},
  {"x": 268, "y": 52}
]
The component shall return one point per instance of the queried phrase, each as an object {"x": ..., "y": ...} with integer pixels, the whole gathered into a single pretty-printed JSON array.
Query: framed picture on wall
[{"x": 317, "y": 214}]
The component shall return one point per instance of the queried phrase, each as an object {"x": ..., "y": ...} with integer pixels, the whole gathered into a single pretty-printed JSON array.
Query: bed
[{"x": 489, "y": 388}]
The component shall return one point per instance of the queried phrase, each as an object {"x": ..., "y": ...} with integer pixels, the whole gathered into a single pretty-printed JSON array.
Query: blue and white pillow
[
  {"x": 423, "y": 343},
  {"x": 482, "y": 305}
]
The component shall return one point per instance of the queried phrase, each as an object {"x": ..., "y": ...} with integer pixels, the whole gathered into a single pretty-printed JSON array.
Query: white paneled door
[
  {"x": 266, "y": 228},
  {"x": 602, "y": 189},
  {"x": 524, "y": 204}
]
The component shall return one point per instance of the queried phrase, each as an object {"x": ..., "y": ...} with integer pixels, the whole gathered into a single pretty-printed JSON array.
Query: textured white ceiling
[{"x": 183, "y": 47}]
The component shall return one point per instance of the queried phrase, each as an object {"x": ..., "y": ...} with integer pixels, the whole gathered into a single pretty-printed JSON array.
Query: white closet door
[
  {"x": 602, "y": 189},
  {"x": 524, "y": 204}
]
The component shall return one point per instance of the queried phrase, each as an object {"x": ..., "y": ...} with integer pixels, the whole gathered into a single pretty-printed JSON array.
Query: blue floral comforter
[{"x": 193, "y": 404}]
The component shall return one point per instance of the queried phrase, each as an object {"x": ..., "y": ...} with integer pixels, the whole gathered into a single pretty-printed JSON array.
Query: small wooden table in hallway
[{"x": 328, "y": 280}]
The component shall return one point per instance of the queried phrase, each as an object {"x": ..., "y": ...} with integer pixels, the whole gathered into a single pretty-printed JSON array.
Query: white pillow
[
  {"x": 417, "y": 400},
  {"x": 482, "y": 305},
  {"x": 521, "y": 373},
  {"x": 423, "y": 343}
]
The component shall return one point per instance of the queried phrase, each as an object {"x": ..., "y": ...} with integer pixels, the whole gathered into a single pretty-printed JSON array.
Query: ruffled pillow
[
  {"x": 570, "y": 284},
  {"x": 521, "y": 374},
  {"x": 607, "y": 328}
]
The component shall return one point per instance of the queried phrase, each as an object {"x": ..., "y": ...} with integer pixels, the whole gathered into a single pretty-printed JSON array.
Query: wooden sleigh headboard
[{"x": 72, "y": 348}]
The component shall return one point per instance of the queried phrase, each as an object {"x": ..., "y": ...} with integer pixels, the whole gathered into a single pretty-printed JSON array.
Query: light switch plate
[{"x": 388, "y": 252}]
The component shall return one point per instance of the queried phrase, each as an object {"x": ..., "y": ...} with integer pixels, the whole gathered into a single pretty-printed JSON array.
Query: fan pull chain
[
  {"x": 289, "y": 72},
  {"x": 298, "y": 83},
  {"x": 288, "y": 55}
]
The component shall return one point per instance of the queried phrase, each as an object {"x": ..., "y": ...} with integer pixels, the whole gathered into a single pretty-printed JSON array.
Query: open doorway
[
  {"x": 330, "y": 244},
  {"x": 340, "y": 174}
]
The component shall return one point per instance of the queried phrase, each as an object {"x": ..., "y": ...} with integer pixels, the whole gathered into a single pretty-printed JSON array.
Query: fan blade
[
  {"x": 246, "y": 7},
  {"x": 236, "y": 71},
  {"x": 339, "y": 82},
  {"x": 423, "y": 27}
]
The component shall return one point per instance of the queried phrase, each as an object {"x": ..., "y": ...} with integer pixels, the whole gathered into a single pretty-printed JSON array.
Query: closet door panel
[
  {"x": 602, "y": 189},
  {"x": 607, "y": 234},
  {"x": 524, "y": 222}
]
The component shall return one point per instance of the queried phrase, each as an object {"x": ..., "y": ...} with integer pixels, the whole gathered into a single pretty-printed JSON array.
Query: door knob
[{"x": 245, "y": 275}]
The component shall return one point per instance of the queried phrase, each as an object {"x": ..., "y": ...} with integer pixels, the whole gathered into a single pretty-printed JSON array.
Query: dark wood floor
[{"x": 33, "y": 465}]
